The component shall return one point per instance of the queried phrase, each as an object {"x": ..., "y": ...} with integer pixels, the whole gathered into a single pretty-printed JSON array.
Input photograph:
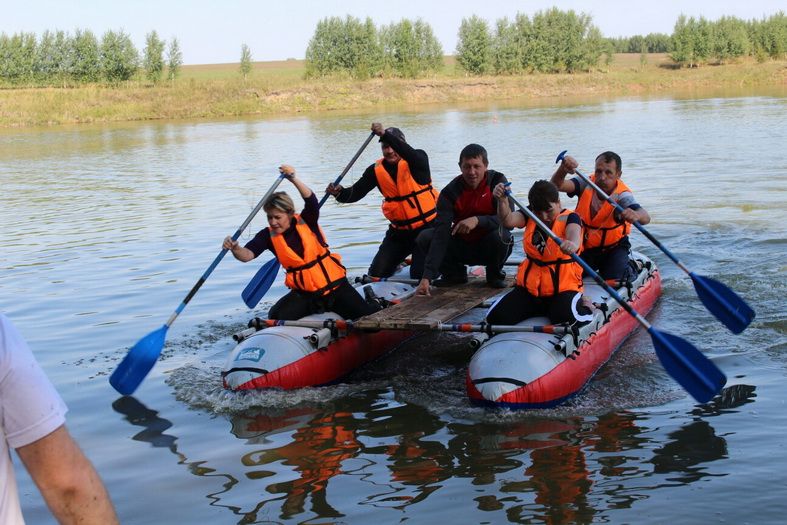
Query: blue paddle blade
[
  {"x": 260, "y": 283},
  {"x": 688, "y": 366},
  {"x": 723, "y": 303},
  {"x": 138, "y": 362}
]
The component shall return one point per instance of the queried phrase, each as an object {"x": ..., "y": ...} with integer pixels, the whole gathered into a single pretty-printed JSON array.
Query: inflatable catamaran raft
[
  {"x": 537, "y": 370},
  {"x": 529, "y": 365},
  {"x": 322, "y": 348}
]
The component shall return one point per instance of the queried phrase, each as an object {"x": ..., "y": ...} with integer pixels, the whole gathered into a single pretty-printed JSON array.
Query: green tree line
[
  {"x": 550, "y": 41},
  {"x": 347, "y": 46},
  {"x": 697, "y": 41},
  {"x": 650, "y": 43},
  {"x": 59, "y": 58}
]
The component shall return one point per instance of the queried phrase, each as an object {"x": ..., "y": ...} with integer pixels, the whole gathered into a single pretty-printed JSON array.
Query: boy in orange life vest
[
  {"x": 548, "y": 281},
  {"x": 467, "y": 230},
  {"x": 315, "y": 275},
  {"x": 403, "y": 177},
  {"x": 606, "y": 244}
]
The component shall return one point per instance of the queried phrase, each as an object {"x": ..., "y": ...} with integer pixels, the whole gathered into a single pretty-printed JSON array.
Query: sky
[{"x": 213, "y": 31}]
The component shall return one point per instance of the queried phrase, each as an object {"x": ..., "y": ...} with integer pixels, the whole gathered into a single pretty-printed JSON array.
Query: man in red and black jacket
[{"x": 466, "y": 230}]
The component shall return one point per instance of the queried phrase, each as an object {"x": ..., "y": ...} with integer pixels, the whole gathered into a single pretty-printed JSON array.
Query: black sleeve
[
  {"x": 416, "y": 158},
  {"x": 260, "y": 242},
  {"x": 360, "y": 189},
  {"x": 575, "y": 191},
  {"x": 311, "y": 211},
  {"x": 442, "y": 230}
]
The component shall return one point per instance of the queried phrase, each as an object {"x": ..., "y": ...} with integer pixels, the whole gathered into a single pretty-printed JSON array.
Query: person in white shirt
[{"x": 32, "y": 422}]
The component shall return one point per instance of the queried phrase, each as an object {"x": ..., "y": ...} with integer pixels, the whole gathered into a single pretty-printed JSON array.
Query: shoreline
[{"x": 205, "y": 92}]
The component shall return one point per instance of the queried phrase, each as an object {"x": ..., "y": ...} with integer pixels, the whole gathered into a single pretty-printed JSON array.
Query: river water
[{"x": 106, "y": 228}]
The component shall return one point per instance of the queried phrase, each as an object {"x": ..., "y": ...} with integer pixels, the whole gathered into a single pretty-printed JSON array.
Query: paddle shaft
[
  {"x": 348, "y": 166},
  {"x": 222, "y": 253},
  {"x": 342, "y": 324}
]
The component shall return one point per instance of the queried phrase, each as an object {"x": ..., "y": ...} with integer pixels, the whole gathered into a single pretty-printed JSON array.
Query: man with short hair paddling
[{"x": 606, "y": 244}]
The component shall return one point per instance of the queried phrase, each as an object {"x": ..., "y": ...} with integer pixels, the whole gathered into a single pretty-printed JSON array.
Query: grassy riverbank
[{"x": 212, "y": 91}]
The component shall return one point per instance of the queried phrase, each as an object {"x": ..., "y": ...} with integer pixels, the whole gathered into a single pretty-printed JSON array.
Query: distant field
[
  {"x": 218, "y": 90},
  {"x": 285, "y": 69},
  {"x": 294, "y": 69},
  {"x": 291, "y": 69}
]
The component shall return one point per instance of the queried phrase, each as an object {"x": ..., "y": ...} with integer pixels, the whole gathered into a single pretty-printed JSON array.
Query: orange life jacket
[
  {"x": 407, "y": 204},
  {"x": 602, "y": 230},
  {"x": 551, "y": 272},
  {"x": 318, "y": 271}
]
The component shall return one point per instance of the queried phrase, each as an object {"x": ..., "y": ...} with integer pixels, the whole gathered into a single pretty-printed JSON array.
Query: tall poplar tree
[
  {"x": 119, "y": 57},
  {"x": 85, "y": 62},
  {"x": 153, "y": 60},
  {"x": 174, "y": 60},
  {"x": 474, "y": 48},
  {"x": 410, "y": 48},
  {"x": 245, "y": 61},
  {"x": 344, "y": 46}
]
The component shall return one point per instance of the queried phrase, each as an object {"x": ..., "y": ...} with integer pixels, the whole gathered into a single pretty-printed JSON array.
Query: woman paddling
[
  {"x": 315, "y": 276},
  {"x": 548, "y": 281}
]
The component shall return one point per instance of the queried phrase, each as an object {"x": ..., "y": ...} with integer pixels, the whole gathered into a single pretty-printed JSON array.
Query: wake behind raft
[{"x": 528, "y": 365}]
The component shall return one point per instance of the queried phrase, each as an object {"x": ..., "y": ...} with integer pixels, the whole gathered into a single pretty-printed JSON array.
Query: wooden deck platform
[{"x": 425, "y": 312}]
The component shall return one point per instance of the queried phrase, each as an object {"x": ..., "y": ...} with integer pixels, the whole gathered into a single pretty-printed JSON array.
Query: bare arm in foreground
[{"x": 70, "y": 485}]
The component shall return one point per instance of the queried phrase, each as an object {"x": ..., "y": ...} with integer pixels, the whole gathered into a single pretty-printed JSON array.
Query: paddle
[
  {"x": 720, "y": 300},
  {"x": 687, "y": 365},
  {"x": 346, "y": 324},
  {"x": 142, "y": 356},
  {"x": 263, "y": 279}
]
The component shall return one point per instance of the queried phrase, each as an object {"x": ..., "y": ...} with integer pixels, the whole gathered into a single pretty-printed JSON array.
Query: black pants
[
  {"x": 491, "y": 251},
  {"x": 396, "y": 246},
  {"x": 518, "y": 305},
  {"x": 611, "y": 263},
  {"x": 343, "y": 300}
]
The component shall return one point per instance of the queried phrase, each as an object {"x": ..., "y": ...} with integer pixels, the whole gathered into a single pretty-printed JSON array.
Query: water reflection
[
  {"x": 154, "y": 427},
  {"x": 139, "y": 415},
  {"x": 545, "y": 469},
  {"x": 729, "y": 398},
  {"x": 316, "y": 453},
  {"x": 396, "y": 456},
  {"x": 690, "y": 446},
  {"x": 696, "y": 443}
]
